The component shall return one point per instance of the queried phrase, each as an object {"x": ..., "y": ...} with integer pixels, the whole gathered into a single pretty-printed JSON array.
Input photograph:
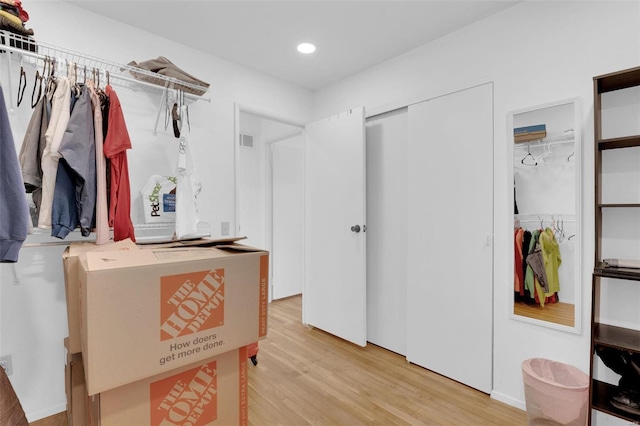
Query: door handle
[{"x": 355, "y": 228}]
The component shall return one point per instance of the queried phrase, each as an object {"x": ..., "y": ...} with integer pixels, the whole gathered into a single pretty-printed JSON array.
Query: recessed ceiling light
[{"x": 306, "y": 48}]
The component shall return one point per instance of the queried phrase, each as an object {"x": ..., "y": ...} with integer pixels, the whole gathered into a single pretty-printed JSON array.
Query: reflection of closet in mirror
[{"x": 546, "y": 176}]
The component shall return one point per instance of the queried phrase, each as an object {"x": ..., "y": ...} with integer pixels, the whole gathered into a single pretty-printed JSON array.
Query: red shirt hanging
[{"x": 116, "y": 144}]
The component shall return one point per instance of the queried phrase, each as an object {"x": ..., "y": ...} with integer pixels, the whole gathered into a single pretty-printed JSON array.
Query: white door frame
[{"x": 268, "y": 115}]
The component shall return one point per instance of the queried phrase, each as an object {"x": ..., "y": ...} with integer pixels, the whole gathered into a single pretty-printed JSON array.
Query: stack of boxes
[{"x": 158, "y": 335}]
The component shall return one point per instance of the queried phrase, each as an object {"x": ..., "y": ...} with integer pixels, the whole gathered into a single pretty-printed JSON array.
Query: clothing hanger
[
  {"x": 570, "y": 155},
  {"x": 175, "y": 115},
  {"x": 186, "y": 109},
  {"x": 22, "y": 84},
  {"x": 75, "y": 86},
  {"x": 37, "y": 83},
  {"x": 50, "y": 86},
  {"x": 546, "y": 150},
  {"x": 535, "y": 163},
  {"x": 167, "y": 107}
]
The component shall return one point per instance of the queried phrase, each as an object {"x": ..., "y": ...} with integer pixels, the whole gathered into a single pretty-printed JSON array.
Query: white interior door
[
  {"x": 334, "y": 294},
  {"x": 450, "y": 218},
  {"x": 287, "y": 259}
]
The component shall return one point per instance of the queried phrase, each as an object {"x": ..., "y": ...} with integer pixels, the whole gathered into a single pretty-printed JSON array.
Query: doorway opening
[{"x": 270, "y": 194}]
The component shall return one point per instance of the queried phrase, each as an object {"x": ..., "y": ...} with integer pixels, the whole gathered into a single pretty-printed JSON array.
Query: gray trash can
[{"x": 555, "y": 393}]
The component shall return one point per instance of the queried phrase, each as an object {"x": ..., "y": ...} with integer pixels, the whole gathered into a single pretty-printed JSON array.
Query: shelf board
[
  {"x": 616, "y": 337},
  {"x": 617, "y": 80},
  {"x": 622, "y": 142},
  {"x": 600, "y": 396},
  {"x": 601, "y": 270},
  {"x": 618, "y": 205}
]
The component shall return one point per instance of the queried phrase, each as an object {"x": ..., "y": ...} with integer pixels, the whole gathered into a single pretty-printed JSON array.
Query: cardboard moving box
[
  {"x": 72, "y": 283},
  {"x": 75, "y": 388},
  {"x": 212, "y": 392},
  {"x": 150, "y": 311}
]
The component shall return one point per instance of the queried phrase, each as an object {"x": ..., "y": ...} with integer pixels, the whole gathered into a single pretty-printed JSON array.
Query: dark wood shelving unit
[
  {"x": 621, "y": 273},
  {"x": 600, "y": 393},
  {"x": 616, "y": 337},
  {"x": 619, "y": 205},
  {"x": 615, "y": 143}
]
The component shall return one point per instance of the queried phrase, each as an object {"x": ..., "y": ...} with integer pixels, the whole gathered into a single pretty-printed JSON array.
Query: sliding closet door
[
  {"x": 387, "y": 136},
  {"x": 450, "y": 222},
  {"x": 334, "y": 296}
]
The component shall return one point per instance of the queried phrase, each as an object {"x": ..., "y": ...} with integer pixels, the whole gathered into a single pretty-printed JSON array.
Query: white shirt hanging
[{"x": 188, "y": 187}]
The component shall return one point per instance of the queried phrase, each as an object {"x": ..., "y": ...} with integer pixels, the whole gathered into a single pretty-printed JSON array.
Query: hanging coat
[
  {"x": 74, "y": 198},
  {"x": 14, "y": 212},
  {"x": 32, "y": 149},
  {"x": 102, "y": 209},
  {"x": 60, "y": 114}
]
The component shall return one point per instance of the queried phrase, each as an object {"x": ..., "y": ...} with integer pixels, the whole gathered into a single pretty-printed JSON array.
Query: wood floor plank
[
  {"x": 308, "y": 377},
  {"x": 559, "y": 313}
]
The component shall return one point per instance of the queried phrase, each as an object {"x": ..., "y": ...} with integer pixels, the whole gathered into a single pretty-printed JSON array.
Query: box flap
[
  {"x": 188, "y": 242},
  {"x": 78, "y": 247},
  {"x": 97, "y": 261},
  {"x": 239, "y": 247},
  {"x": 108, "y": 260}
]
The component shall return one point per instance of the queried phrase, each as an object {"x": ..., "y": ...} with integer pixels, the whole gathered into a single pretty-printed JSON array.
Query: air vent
[{"x": 246, "y": 141}]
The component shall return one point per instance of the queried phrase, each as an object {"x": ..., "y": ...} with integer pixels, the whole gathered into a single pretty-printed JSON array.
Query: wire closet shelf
[{"x": 29, "y": 48}]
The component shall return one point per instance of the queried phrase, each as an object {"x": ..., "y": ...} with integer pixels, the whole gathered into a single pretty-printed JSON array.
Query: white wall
[
  {"x": 535, "y": 53},
  {"x": 33, "y": 314},
  {"x": 251, "y": 188}
]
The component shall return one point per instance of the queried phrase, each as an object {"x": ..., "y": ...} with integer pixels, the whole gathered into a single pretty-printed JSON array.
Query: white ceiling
[{"x": 350, "y": 36}]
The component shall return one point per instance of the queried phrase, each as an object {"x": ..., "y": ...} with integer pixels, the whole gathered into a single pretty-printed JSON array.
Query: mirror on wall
[{"x": 546, "y": 142}]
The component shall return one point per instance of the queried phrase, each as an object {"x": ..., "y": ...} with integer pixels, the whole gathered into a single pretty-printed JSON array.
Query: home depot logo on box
[
  {"x": 188, "y": 398},
  {"x": 191, "y": 303}
]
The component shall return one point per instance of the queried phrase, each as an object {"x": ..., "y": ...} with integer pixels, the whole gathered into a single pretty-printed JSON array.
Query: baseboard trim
[
  {"x": 48, "y": 412},
  {"x": 508, "y": 400}
]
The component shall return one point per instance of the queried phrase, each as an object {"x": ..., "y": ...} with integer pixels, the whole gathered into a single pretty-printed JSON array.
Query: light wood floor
[
  {"x": 559, "y": 313},
  {"x": 305, "y": 376}
]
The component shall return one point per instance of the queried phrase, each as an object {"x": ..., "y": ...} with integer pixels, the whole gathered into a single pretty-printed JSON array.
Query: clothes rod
[
  {"x": 64, "y": 56},
  {"x": 559, "y": 140},
  {"x": 544, "y": 216},
  {"x": 543, "y": 220}
]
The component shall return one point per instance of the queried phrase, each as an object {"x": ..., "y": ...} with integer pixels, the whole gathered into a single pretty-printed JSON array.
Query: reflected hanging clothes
[
  {"x": 552, "y": 260},
  {"x": 541, "y": 262}
]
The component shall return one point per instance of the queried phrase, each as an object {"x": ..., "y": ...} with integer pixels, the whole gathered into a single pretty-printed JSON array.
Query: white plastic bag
[{"x": 159, "y": 199}]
